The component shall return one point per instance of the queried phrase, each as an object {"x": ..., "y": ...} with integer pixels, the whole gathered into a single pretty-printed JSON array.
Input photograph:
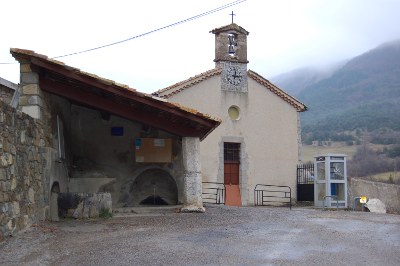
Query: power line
[
  {"x": 152, "y": 31},
  {"x": 159, "y": 29}
]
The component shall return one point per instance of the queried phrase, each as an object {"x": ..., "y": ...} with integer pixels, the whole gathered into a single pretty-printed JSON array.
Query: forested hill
[{"x": 363, "y": 94}]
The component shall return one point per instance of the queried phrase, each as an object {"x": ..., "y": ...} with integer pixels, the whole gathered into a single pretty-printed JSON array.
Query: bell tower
[
  {"x": 230, "y": 44},
  {"x": 231, "y": 56}
]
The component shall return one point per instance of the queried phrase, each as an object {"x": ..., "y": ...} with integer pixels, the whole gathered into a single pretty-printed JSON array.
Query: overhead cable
[
  {"x": 158, "y": 29},
  {"x": 152, "y": 31}
]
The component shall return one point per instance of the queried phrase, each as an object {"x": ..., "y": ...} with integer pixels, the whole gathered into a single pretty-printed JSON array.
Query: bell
[{"x": 231, "y": 50}]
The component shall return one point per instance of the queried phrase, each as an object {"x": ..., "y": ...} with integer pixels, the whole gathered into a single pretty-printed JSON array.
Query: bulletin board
[{"x": 152, "y": 150}]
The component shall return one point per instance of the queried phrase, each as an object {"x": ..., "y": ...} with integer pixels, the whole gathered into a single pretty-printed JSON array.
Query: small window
[
  {"x": 231, "y": 152},
  {"x": 60, "y": 132},
  {"x": 234, "y": 112}
]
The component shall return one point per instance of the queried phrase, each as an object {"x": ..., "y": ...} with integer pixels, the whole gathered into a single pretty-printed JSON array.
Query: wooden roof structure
[{"x": 106, "y": 95}]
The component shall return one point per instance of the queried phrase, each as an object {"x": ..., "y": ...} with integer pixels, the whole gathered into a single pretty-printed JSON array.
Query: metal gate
[{"x": 305, "y": 182}]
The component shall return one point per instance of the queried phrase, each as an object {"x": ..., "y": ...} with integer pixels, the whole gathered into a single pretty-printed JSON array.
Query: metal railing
[
  {"x": 332, "y": 197},
  {"x": 213, "y": 192},
  {"x": 305, "y": 173},
  {"x": 271, "y": 195}
]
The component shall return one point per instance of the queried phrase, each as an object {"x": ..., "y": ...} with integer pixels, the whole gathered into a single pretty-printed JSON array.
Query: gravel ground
[{"x": 221, "y": 236}]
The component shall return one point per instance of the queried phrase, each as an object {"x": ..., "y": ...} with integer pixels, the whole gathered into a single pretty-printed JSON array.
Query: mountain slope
[
  {"x": 363, "y": 94},
  {"x": 297, "y": 80}
]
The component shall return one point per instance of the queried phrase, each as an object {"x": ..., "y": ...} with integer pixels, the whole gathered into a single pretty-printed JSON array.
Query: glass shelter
[{"x": 330, "y": 181}]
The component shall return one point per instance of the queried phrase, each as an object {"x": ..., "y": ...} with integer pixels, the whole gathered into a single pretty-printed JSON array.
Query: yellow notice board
[
  {"x": 151, "y": 150},
  {"x": 363, "y": 199}
]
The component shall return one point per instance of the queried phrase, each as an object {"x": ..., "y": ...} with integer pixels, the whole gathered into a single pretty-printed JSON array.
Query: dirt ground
[{"x": 221, "y": 236}]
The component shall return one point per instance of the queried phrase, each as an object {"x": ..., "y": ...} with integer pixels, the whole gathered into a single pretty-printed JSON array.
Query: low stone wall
[
  {"x": 84, "y": 205},
  {"x": 22, "y": 163},
  {"x": 389, "y": 194},
  {"x": 7, "y": 90}
]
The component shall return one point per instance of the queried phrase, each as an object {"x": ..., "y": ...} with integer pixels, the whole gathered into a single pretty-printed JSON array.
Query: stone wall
[
  {"x": 22, "y": 164},
  {"x": 389, "y": 194},
  {"x": 7, "y": 90}
]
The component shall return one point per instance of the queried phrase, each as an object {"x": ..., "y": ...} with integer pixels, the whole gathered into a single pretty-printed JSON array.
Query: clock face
[{"x": 234, "y": 75}]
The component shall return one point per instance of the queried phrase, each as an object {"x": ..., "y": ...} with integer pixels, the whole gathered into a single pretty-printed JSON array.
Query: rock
[
  {"x": 375, "y": 205},
  {"x": 78, "y": 213},
  {"x": 188, "y": 209}
]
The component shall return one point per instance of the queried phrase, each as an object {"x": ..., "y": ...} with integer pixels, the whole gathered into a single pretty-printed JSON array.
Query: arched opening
[
  {"x": 153, "y": 187},
  {"x": 153, "y": 200},
  {"x": 54, "y": 210},
  {"x": 55, "y": 187}
]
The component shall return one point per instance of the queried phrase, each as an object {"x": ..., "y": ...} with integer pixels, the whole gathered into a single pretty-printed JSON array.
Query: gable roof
[
  {"x": 232, "y": 26},
  {"x": 91, "y": 90},
  {"x": 180, "y": 86},
  {"x": 8, "y": 84},
  {"x": 300, "y": 107},
  {"x": 190, "y": 82}
]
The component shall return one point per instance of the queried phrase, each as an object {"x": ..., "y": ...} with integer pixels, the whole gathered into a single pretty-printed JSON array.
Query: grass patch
[
  {"x": 387, "y": 177},
  {"x": 105, "y": 213}
]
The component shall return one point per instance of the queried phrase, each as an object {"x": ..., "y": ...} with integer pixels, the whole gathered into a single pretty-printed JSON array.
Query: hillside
[
  {"x": 297, "y": 80},
  {"x": 363, "y": 95}
]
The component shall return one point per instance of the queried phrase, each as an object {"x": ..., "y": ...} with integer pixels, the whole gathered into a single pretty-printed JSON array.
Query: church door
[{"x": 231, "y": 173}]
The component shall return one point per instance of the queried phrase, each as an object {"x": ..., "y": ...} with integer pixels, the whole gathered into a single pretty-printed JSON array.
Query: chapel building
[{"x": 258, "y": 141}]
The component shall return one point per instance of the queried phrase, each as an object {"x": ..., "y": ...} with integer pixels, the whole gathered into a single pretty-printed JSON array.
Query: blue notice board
[{"x": 117, "y": 131}]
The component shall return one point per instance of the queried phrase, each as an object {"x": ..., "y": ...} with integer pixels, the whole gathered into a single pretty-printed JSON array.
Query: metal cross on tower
[{"x": 232, "y": 16}]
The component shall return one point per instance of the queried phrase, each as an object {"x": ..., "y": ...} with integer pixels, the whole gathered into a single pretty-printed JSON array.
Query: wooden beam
[
  {"x": 119, "y": 109},
  {"x": 115, "y": 89}
]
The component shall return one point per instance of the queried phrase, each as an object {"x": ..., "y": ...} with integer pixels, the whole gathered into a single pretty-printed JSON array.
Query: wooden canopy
[{"x": 106, "y": 95}]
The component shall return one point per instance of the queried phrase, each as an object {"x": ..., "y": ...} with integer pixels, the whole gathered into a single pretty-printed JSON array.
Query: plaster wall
[
  {"x": 267, "y": 130},
  {"x": 389, "y": 194},
  {"x": 97, "y": 155}
]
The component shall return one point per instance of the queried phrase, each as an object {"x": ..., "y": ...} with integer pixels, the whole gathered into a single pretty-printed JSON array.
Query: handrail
[
  {"x": 215, "y": 193},
  {"x": 278, "y": 193},
  {"x": 334, "y": 197}
]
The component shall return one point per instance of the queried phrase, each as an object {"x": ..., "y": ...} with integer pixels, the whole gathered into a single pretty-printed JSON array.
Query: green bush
[{"x": 105, "y": 213}]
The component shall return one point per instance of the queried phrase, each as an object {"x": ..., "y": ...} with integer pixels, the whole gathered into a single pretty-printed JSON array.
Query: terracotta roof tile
[
  {"x": 122, "y": 87},
  {"x": 183, "y": 85},
  {"x": 279, "y": 92},
  {"x": 180, "y": 86},
  {"x": 232, "y": 26}
]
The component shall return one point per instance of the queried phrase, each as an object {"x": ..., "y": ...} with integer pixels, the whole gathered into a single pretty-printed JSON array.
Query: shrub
[{"x": 105, "y": 213}]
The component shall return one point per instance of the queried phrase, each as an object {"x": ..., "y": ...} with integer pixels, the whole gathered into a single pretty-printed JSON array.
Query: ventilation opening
[{"x": 153, "y": 201}]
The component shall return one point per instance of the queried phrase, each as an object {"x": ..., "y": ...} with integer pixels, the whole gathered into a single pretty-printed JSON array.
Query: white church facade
[{"x": 258, "y": 140}]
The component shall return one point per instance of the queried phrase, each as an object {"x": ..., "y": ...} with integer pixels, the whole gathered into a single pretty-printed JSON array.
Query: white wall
[{"x": 267, "y": 130}]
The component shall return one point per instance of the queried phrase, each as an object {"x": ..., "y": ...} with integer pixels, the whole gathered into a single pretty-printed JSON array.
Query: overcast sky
[{"x": 284, "y": 35}]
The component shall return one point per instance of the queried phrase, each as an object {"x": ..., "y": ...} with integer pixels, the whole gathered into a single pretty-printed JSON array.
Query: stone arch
[{"x": 152, "y": 186}]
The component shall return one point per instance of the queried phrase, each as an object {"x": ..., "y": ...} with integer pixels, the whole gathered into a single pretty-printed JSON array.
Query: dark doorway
[{"x": 153, "y": 200}]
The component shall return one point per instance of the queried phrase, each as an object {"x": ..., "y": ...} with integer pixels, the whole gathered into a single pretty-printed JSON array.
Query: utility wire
[
  {"x": 153, "y": 31},
  {"x": 159, "y": 29}
]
